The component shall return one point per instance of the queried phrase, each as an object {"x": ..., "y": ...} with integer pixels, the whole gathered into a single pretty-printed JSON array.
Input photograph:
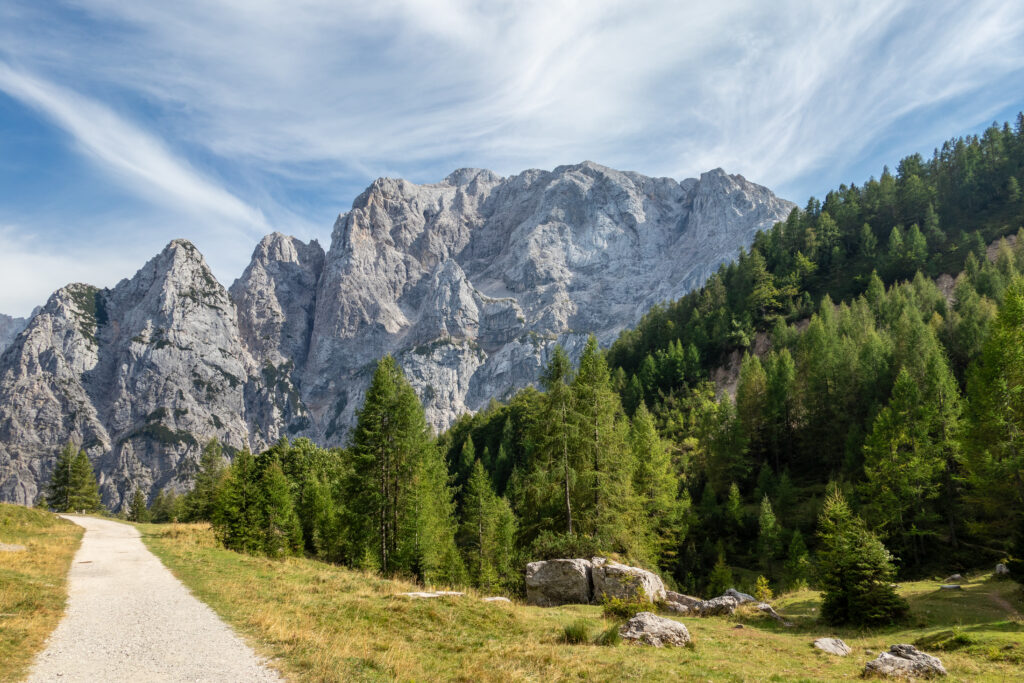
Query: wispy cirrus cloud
[{"x": 231, "y": 117}]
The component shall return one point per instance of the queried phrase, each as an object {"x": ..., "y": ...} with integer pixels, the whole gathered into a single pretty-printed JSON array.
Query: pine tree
[
  {"x": 487, "y": 532},
  {"x": 137, "y": 511},
  {"x": 769, "y": 537},
  {"x": 798, "y": 563},
  {"x": 58, "y": 495},
  {"x": 237, "y": 513},
  {"x": 201, "y": 501},
  {"x": 657, "y": 486},
  {"x": 280, "y": 529},
  {"x": 854, "y": 570},
  {"x": 84, "y": 492},
  {"x": 556, "y": 454}
]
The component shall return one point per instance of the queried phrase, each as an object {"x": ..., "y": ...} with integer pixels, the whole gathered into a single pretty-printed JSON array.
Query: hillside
[{"x": 320, "y": 622}]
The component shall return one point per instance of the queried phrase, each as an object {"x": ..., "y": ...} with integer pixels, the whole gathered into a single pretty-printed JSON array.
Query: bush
[
  {"x": 763, "y": 591},
  {"x": 577, "y": 632},
  {"x": 609, "y": 637},
  {"x": 550, "y": 546},
  {"x": 617, "y": 608}
]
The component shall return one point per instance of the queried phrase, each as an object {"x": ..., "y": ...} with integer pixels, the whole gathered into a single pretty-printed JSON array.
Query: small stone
[
  {"x": 11, "y": 548},
  {"x": 833, "y": 646},
  {"x": 650, "y": 629},
  {"x": 951, "y": 587},
  {"x": 738, "y": 626},
  {"x": 497, "y": 598},
  {"x": 1002, "y": 570}
]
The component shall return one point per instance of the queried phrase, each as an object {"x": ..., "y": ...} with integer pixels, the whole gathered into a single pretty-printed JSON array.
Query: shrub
[
  {"x": 763, "y": 591},
  {"x": 609, "y": 637},
  {"x": 577, "y": 632},
  {"x": 617, "y": 608}
]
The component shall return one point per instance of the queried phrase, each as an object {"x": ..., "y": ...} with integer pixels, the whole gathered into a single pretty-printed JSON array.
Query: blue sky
[{"x": 124, "y": 124}]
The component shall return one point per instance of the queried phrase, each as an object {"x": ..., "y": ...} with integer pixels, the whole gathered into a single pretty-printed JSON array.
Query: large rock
[
  {"x": 833, "y": 646},
  {"x": 722, "y": 605},
  {"x": 559, "y": 582},
  {"x": 680, "y": 603},
  {"x": 470, "y": 283},
  {"x": 650, "y": 629},
  {"x": 905, "y": 661},
  {"x": 614, "y": 580},
  {"x": 1002, "y": 570}
]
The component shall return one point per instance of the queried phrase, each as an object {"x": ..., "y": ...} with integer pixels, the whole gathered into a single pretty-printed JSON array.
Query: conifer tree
[
  {"x": 281, "y": 532},
  {"x": 798, "y": 563},
  {"x": 237, "y": 517},
  {"x": 657, "y": 486},
  {"x": 769, "y": 537},
  {"x": 854, "y": 570},
  {"x": 487, "y": 532},
  {"x": 201, "y": 501},
  {"x": 137, "y": 511},
  {"x": 58, "y": 496},
  {"x": 84, "y": 490},
  {"x": 556, "y": 467}
]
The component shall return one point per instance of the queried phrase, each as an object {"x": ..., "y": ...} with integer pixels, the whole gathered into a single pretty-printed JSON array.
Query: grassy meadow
[
  {"x": 318, "y": 622},
  {"x": 33, "y": 582}
]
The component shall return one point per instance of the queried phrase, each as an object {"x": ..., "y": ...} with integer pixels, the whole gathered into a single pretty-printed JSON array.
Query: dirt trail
[{"x": 129, "y": 619}]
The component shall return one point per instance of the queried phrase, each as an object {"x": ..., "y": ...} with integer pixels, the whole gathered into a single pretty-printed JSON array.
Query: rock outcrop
[
  {"x": 720, "y": 606},
  {"x": 650, "y": 629},
  {"x": 614, "y": 580},
  {"x": 9, "y": 329},
  {"x": 469, "y": 283},
  {"x": 904, "y": 661},
  {"x": 559, "y": 582}
]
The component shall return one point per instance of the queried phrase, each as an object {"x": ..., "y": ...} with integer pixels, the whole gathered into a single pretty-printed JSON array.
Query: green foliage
[
  {"x": 200, "y": 504},
  {"x": 137, "y": 511},
  {"x": 763, "y": 590},
  {"x": 487, "y": 534},
  {"x": 609, "y": 637},
  {"x": 577, "y": 632},
  {"x": 73, "y": 486},
  {"x": 720, "y": 579},
  {"x": 625, "y": 608},
  {"x": 854, "y": 570}
]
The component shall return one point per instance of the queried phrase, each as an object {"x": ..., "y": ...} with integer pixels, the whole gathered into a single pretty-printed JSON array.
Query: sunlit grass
[
  {"x": 324, "y": 623},
  {"x": 33, "y": 583}
]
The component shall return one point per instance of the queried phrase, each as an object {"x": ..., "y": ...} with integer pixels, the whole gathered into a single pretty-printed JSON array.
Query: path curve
[{"x": 129, "y": 619}]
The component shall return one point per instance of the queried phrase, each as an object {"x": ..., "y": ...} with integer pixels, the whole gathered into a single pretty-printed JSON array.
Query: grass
[
  {"x": 32, "y": 583},
  {"x": 323, "y": 623}
]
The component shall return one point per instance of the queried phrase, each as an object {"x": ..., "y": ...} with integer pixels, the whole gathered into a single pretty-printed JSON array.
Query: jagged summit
[{"x": 468, "y": 282}]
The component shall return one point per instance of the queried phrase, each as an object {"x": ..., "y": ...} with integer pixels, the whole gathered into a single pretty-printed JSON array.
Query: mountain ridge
[{"x": 469, "y": 282}]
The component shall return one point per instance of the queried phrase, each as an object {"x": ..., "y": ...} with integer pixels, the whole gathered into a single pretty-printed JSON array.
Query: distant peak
[{"x": 464, "y": 176}]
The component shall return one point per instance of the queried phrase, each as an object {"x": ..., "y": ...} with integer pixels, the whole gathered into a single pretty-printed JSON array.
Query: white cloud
[{"x": 283, "y": 97}]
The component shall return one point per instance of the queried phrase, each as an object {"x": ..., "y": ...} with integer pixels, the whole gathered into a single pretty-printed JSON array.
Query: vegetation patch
[{"x": 32, "y": 583}]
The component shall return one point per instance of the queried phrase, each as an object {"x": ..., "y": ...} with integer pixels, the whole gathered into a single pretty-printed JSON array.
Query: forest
[{"x": 879, "y": 341}]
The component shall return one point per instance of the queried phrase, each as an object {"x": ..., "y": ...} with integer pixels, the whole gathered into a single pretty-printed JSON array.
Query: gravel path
[{"x": 129, "y": 619}]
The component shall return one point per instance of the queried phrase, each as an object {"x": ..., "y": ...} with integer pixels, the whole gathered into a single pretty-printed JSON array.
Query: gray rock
[
  {"x": 741, "y": 598},
  {"x": 497, "y": 598},
  {"x": 469, "y": 282},
  {"x": 951, "y": 587},
  {"x": 833, "y": 646},
  {"x": 904, "y": 661},
  {"x": 681, "y": 599},
  {"x": 765, "y": 608},
  {"x": 722, "y": 605},
  {"x": 559, "y": 582},
  {"x": 9, "y": 329},
  {"x": 426, "y": 595},
  {"x": 614, "y": 580},
  {"x": 650, "y": 629},
  {"x": 12, "y": 548},
  {"x": 1002, "y": 570},
  {"x": 955, "y": 578}
]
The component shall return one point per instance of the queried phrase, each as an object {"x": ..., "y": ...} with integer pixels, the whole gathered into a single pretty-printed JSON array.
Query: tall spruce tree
[
  {"x": 84, "y": 492},
  {"x": 487, "y": 532},
  {"x": 657, "y": 486},
  {"x": 137, "y": 511},
  {"x": 200, "y": 503}
]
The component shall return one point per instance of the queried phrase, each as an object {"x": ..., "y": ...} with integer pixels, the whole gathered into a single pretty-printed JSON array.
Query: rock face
[
  {"x": 741, "y": 598},
  {"x": 614, "y": 580},
  {"x": 9, "y": 329},
  {"x": 559, "y": 582},
  {"x": 833, "y": 646},
  {"x": 905, "y": 661},
  {"x": 469, "y": 283},
  {"x": 650, "y": 629}
]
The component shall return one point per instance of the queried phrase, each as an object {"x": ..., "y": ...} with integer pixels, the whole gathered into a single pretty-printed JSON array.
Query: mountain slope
[{"x": 469, "y": 283}]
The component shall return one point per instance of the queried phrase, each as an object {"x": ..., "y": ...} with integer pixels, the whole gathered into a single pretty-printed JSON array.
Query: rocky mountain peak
[{"x": 469, "y": 282}]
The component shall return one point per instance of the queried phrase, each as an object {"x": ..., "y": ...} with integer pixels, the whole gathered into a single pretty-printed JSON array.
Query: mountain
[
  {"x": 469, "y": 282},
  {"x": 9, "y": 329}
]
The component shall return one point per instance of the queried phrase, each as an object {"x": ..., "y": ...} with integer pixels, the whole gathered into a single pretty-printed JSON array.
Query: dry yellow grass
[
  {"x": 33, "y": 582},
  {"x": 324, "y": 623}
]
